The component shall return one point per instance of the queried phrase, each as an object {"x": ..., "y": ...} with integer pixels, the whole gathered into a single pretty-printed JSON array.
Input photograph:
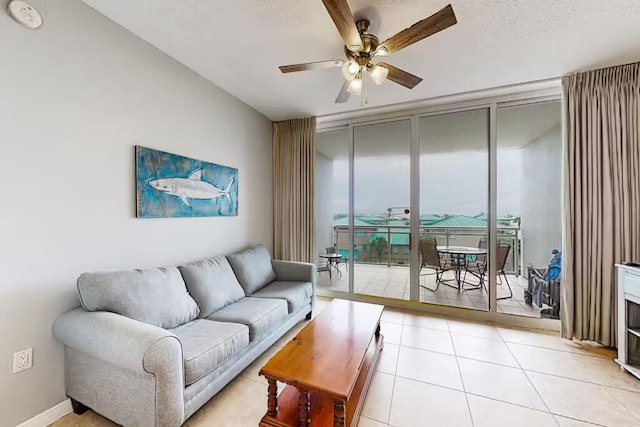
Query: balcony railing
[{"x": 390, "y": 244}]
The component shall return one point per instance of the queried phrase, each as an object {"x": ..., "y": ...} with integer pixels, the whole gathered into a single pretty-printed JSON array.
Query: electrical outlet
[{"x": 22, "y": 360}]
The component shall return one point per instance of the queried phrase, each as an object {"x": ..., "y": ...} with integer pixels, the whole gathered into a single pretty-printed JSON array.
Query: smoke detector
[{"x": 25, "y": 14}]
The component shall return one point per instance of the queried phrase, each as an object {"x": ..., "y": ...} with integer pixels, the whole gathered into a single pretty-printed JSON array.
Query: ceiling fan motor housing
[{"x": 369, "y": 44}]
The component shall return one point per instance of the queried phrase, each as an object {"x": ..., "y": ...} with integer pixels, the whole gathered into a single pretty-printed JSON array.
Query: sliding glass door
[
  {"x": 454, "y": 197},
  {"x": 381, "y": 199},
  {"x": 529, "y": 209},
  {"x": 332, "y": 209},
  {"x": 459, "y": 208}
]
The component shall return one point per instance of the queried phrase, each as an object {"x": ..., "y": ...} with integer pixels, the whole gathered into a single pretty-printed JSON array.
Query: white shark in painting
[{"x": 192, "y": 187}]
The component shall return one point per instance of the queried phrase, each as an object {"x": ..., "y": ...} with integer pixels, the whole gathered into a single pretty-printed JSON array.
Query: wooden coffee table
[{"x": 328, "y": 367}]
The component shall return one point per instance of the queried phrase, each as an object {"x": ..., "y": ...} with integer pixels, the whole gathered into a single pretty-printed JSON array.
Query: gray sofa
[{"x": 150, "y": 347}]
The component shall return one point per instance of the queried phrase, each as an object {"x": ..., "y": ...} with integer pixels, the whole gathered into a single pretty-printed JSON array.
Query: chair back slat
[
  {"x": 429, "y": 253},
  {"x": 502, "y": 255}
]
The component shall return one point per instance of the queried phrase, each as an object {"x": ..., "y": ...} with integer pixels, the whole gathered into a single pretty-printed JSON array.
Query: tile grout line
[
  {"x": 393, "y": 389},
  {"x": 576, "y": 419},
  {"x": 533, "y": 371},
  {"x": 515, "y": 404},
  {"x": 529, "y": 380},
  {"x": 618, "y": 402},
  {"x": 488, "y": 397},
  {"x": 542, "y": 347},
  {"x": 464, "y": 388}
]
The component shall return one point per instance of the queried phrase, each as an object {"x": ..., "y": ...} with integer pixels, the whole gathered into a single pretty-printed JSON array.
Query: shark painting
[
  {"x": 192, "y": 187},
  {"x": 172, "y": 186}
]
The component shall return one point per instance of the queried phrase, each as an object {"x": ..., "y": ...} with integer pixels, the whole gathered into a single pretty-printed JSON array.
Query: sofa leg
[
  {"x": 309, "y": 315},
  {"x": 78, "y": 408}
]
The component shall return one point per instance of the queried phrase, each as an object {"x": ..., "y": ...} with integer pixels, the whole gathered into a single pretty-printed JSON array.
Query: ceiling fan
[{"x": 361, "y": 47}]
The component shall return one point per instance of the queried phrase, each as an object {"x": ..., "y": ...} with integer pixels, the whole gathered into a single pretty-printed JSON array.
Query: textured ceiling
[{"x": 238, "y": 45}]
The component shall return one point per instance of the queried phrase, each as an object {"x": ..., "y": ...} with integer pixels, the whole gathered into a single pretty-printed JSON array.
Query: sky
[{"x": 450, "y": 183}]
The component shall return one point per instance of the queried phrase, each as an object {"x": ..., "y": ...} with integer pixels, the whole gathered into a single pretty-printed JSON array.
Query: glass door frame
[{"x": 491, "y": 105}]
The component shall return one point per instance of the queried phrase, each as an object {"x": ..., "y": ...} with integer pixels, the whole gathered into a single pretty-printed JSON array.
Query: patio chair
[
  {"x": 345, "y": 257},
  {"x": 337, "y": 262},
  {"x": 323, "y": 265},
  {"x": 502, "y": 255},
  {"x": 431, "y": 259},
  {"x": 479, "y": 266}
]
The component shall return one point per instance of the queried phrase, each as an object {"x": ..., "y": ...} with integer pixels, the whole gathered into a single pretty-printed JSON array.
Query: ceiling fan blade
[
  {"x": 311, "y": 66},
  {"x": 343, "y": 95},
  {"x": 437, "y": 22},
  {"x": 399, "y": 76},
  {"x": 343, "y": 19}
]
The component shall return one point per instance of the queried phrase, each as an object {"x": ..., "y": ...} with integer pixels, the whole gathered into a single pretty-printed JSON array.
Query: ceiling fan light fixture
[
  {"x": 378, "y": 74},
  {"x": 350, "y": 70},
  {"x": 382, "y": 51},
  {"x": 355, "y": 87}
]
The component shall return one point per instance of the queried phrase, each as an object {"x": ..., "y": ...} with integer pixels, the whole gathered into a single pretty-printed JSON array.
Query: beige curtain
[
  {"x": 601, "y": 197},
  {"x": 293, "y": 189}
]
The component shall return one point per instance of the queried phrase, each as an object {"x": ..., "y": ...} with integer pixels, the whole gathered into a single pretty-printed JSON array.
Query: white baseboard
[{"x": 49, "y": 416}]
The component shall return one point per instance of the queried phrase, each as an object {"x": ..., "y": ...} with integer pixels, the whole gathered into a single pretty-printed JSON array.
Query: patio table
[
  {"x": 333, "y": 259},
  {"x": 458, "y": 256}
]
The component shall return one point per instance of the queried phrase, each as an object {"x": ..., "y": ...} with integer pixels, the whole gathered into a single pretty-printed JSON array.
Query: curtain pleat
[
  {"x": 293, "y": 189},
  {"x": 601, "y": 196}
]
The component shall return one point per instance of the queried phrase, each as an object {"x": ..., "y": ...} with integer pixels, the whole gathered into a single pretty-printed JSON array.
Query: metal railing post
[{"x": 388, "y": 246}]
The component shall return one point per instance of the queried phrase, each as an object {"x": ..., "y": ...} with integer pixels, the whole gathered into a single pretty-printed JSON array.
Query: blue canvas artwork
[{"x": 168, "y": 185}]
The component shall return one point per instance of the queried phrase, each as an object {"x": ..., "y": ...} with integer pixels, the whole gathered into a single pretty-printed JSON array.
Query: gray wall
[
  {"x": 542, "y": 198},
  {"x": 324, "y": 202},
  {"x": 75, "y": 97}
]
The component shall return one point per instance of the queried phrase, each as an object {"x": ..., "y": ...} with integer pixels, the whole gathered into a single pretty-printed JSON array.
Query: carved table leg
[
  {"x": 338, "y": 413},
  {"x": 303, "y": 408},
  {"x": 272, "y": 398}
]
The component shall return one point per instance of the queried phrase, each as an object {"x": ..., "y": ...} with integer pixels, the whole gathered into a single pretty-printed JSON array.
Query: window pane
[
  {"x": 529, "y": 207},
  {"x": 381, "y": 193},
  {"x": 453, "y": 208},
  {"x": 332, "y": 207}
]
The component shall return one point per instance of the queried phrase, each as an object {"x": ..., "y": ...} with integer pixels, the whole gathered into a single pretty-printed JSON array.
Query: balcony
[
  {"x": 382, "y": 259},
  {"x": 393, "y": 282}
]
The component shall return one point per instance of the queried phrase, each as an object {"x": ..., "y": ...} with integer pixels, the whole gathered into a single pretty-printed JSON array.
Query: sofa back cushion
[
  {"x": 156, "y": 296},
  {"x": 253, "y": 268},
  {"x": 212, "y": 284}
]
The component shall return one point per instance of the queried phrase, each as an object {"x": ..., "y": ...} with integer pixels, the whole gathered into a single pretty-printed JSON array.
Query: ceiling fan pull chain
[{"x": 365, "y": 91}]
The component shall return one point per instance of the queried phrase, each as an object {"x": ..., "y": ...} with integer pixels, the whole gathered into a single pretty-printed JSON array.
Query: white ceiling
[{"x": 238, "y": 45}]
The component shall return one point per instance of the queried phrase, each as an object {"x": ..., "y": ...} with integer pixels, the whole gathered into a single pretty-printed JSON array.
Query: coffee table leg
[
  {"x": 272, "y": 398},
  {"x": 303, "y": 408},
  {"x": 338, "y": 413}
]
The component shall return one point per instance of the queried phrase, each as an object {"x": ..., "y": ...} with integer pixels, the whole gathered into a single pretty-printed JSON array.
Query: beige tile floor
[
  {"x": 393, "y": 282},
  {"x": 438, "y": 371}
]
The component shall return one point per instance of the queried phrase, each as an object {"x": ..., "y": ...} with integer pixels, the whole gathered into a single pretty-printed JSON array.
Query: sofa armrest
[
  {"x": 119, "y": 340},
  {"x": 118, "y": 344},
  {"x": 295, "y": 271}
]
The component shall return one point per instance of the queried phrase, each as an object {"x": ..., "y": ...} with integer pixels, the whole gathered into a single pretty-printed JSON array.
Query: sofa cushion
[
  {"x": 252, "y": 268},
  {"x": 212, "y": 284},
  {"x": 207, "y": 344},
  {"x": 157, "y": 296},
  {"x": 297, "y": 294},
  {"x": 261, "y": 315}
]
